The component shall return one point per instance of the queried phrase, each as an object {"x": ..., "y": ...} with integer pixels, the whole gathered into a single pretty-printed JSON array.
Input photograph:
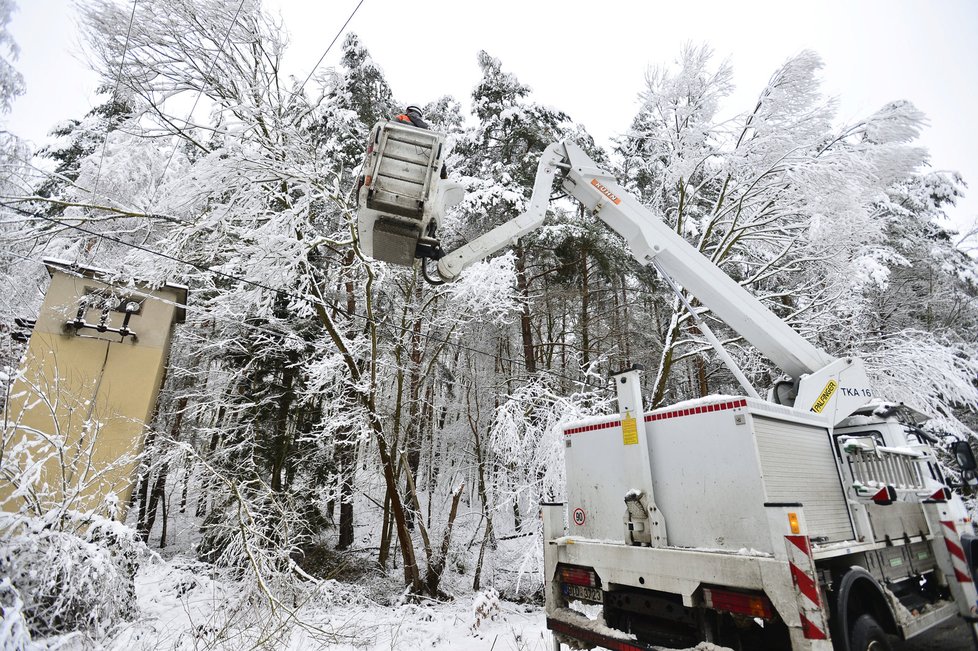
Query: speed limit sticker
[{"x": 579, "y": 517}]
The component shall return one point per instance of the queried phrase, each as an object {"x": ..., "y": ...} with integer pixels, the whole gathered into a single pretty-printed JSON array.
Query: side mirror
[{"x": 964, "y": 456}]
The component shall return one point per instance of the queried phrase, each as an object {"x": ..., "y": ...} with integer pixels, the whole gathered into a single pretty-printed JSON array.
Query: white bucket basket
[{"x": 402, "y": 196}]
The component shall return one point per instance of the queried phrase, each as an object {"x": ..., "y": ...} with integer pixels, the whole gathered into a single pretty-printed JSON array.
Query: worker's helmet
[{"x": 413, "y": 109}]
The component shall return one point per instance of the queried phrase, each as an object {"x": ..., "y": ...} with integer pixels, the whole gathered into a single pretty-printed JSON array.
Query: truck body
[
  {"x": 817, "y": 518},
  {"x": 780, "y": 533}
]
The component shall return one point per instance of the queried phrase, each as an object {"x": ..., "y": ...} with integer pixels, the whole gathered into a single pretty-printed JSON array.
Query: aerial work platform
[{"x": 402, "y": 196}]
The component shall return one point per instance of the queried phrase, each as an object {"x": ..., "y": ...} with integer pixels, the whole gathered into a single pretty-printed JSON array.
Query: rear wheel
[{"x": 868, "y": 635}]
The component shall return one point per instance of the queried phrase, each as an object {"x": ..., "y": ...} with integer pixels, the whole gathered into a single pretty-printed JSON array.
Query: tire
[{"x": 867, "y": 635}]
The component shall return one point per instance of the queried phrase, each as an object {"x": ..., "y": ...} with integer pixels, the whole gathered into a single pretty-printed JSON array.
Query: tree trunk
[
  {"x": 428, "y": 436},
  {"x": 625, "y": 328},
  {"x": 366, "y": 398},
  {"x": 665, "y": 363},
  {"x": 142, "y": 494},
  {"x": 346, "y": 465},
  {"x": 147, "y": 515},
  {"x": 164, "y": 520},
  {"x": 585, "y": 312},
  {"x": 412, "y": 492},
  {"x": 483, "y": 492},
  {"x": 184, "y": 492},
  {"x": 345, "y": 449},
  {"x": 201, "y": 510},
  {"x": 412, "y": 443},
  {"x": 156, "y": 496},
  {"x": 526, "y": 327},
  {"x": 437, "y": 566},
  {"x": 282, "y": 441},
  {"x": 517, "y": 516},
  {"x": 412, "y": 574},
  {"x": 386, "y": 533}
]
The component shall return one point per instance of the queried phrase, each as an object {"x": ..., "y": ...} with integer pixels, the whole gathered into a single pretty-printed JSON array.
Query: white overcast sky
[{"x": 589, "y": 58}]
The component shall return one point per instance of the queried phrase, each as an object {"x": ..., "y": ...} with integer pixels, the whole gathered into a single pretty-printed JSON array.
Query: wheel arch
[{"x": 857, "y": 592}]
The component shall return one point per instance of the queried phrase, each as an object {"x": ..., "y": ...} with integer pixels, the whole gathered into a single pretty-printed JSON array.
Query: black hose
[{"x": 424, "y": 274}]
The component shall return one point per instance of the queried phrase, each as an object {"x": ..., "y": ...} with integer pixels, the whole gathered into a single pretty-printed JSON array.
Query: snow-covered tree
[
  {"x": 319, "y": 401},
  {"x": 781, "y": 198}
]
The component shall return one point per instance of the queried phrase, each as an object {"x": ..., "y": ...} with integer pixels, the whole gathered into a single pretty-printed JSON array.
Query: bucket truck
[{"x": 814, "y": 518}]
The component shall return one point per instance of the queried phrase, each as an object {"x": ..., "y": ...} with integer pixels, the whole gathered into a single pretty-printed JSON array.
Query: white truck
[{"x": 814, "y": 518}]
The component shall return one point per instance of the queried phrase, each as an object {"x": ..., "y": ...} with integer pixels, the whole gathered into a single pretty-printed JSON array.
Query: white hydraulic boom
[{"x": 831, "y": 387}]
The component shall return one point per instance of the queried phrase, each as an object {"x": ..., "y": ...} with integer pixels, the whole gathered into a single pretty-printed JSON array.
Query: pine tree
[{"x": 500, "y": 156}]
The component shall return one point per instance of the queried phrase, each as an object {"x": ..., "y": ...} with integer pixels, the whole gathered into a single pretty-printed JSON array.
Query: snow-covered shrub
[
  {"x": 254, "y": 530},
  {"x": 485, "y": 606},
  {"x": 14, "y": 632},
  {"x": 65, "y": 573},
  {"x": 527, "y": 427},
  {"x": 255, "y": 533}
]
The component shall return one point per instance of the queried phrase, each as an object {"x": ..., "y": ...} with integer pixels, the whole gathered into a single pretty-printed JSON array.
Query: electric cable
[
  {"x": 115, "y": 90},
  {"x": 424, "y": 273},
  {"x": 328, "y": 48},
  {"x": 304, "y": 299},
  {"x": 133, "y": 291},
  {"x": 201, "y": 90}
]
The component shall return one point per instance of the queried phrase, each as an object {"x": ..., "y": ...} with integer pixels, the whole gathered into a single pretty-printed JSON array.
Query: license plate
[{"x": 582, "y": 592}]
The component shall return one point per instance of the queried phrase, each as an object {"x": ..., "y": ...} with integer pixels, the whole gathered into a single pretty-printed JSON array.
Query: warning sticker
[{"x": 629, "y": 431}]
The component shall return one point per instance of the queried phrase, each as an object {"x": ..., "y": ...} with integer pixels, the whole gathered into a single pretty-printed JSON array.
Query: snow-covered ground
[{"x": 184, "y": 605}]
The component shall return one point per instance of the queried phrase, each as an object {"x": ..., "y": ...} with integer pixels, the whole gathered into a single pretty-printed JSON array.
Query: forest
[{"x": 334, "y": 430}]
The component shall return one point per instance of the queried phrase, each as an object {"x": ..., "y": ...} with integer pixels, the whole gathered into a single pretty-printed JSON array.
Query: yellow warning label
[
  {"x": 629, "y": 431},
  {"x": 825, "y": 396}
]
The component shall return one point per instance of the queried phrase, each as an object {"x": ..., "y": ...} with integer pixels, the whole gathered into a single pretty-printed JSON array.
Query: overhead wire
[
  {"x": 328, "y": 48},
  {"x": 132, "y": 291},
  {"x": 304, "y": 299},
  {"x": 200, "y": 92},
  {"x": 115, "y": 90},
  {"x": 213, "y": 62},
  {"x": 199, "y": 267}
]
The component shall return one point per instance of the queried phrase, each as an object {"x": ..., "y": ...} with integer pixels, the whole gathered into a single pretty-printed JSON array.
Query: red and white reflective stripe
[
  {"x": 591, "y": 428},
  {"x": 692, "y": 411},
  {"x": 806, "y": 587},
  {"x": 677, "y": 413},
  {"x": 953, "y": 543}
]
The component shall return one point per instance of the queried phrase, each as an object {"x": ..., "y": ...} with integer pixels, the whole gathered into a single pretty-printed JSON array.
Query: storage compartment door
[{"x": 798, "y": 465}]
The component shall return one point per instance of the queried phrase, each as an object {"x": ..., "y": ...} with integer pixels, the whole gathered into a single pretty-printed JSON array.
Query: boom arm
[
  {"x": 826, "y": 385},
  {"x": 451, "y": 265}
]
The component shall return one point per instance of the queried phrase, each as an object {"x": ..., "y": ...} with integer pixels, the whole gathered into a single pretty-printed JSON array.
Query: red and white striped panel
[
  {"x": 806, "y": 587},
  {"x": 692, "y": 411},
  {"x": 591, "y": 428},
  {"x": 953, "y": 542}
]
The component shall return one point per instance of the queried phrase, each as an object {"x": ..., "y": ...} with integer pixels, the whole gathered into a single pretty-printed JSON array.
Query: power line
[
  {"x": 144, "y": 294},
  {"x": 304, "y": 299},
  {"x": 328, "y": 48},
  {"x": 115, "y": 90},
  {"x": 200, "y": 92}
]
